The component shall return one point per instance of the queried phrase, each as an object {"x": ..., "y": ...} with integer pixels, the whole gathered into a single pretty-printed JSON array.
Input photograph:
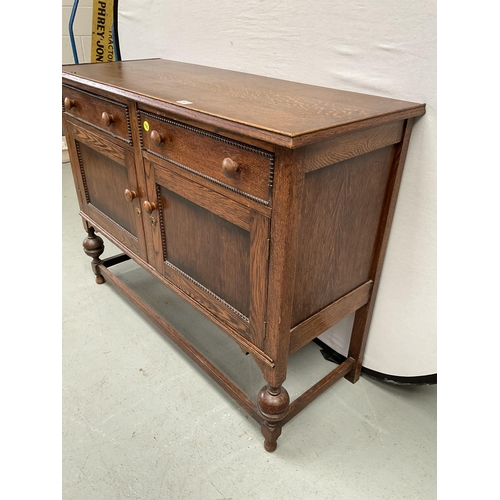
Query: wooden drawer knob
[
  {"x": 68, "y": 103},
  {"x": 229, "y": 167},
  {"x": 149, "y": 207},
  {"x": 130, "y": 195},
  {"x": 107, "y": 119},
  {"x": 156, "y": 138}
]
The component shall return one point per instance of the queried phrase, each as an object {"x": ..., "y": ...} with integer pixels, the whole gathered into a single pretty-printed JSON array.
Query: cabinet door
[
  {"x": 212, "y": 248},
  {"x": 106, "y": 183}
]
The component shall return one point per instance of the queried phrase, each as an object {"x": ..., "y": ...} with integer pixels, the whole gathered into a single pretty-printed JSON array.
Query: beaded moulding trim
[{"x": 232, "y": 142}]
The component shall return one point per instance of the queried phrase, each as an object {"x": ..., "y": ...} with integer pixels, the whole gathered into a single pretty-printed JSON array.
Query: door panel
[
  {"x": 222, "y": 265},
  {"x": 103, "y": 171},
  {"x": 106, "y": 186},
  {"x": 213, "y": 248}
]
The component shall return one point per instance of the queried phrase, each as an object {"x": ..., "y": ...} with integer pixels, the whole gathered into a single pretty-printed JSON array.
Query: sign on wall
[{"x": 102, "y": 49}]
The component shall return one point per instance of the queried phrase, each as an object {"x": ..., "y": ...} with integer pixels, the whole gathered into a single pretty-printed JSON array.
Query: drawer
[
  {"x": 104, "y": 114},
  {"x": 237, "y": 166}
]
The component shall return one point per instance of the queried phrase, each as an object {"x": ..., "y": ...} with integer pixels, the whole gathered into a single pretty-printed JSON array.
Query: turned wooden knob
[
  {"x": 68, "y": 103},
  {"x": 229, "y": 167},
  {"x": 149, "y": 207},
  {"x": 107, "y": 119},
  {"x": 156, "y": 138},
  {"x": 130, "y": 195}
]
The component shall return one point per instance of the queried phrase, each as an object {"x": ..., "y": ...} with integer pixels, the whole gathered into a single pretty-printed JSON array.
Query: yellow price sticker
[{"x": 146, "y": 126}]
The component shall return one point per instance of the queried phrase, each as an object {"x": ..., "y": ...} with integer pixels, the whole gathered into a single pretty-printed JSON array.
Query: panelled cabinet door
[
  {"x": 106, "y": 182},
  {"x": 212, "y": 248}
]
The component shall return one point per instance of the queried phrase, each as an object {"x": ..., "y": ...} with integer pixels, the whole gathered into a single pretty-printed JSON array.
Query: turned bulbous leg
[
  {"x": 273, "y": 403},
  {"x": 93, "y": 246}
]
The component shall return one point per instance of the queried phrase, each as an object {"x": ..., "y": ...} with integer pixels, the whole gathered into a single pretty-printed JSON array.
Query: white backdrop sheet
[{"x": 386, "y": 48}]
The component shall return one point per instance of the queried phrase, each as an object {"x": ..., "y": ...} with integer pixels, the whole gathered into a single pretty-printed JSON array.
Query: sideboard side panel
[{"x": 341, "y": 208}]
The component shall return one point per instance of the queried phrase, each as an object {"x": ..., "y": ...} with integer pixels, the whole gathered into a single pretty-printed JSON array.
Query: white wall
[{"x": 387, "y": 48}]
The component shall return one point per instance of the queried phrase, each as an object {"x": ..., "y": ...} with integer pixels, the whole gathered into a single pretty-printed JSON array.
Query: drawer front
[
  {"x": 104, "y": 114},
  {"x": 237, "y": 166}
]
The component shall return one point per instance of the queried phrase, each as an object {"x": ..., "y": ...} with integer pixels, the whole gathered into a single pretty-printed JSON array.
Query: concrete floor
[{"x": 141, "y": 421}]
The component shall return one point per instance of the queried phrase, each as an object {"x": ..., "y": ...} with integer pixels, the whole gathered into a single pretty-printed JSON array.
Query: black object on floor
[{"x": 331, "y": 355}]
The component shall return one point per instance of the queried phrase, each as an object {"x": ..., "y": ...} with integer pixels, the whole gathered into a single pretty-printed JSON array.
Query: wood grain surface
[
  {"x": 212, "y": 251},
  {"x": 339, "y": 223},
  {"x": 318, "y": 323},
  {"x": 90, "y": 108},
  {"x": 103, "y": 168},
  {"x": 205, "y": 153},
  {"x": 281, "y": 107},
  {"x": 363, "y": 316}
]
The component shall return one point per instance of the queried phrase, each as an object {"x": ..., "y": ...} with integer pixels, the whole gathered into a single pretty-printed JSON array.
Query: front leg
[
  {"x": 273, "y": 403},
  {"x": 93, "y": 246}
]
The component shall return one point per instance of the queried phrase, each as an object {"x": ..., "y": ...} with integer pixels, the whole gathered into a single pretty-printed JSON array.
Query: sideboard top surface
[{"x": 282, "y": 111}]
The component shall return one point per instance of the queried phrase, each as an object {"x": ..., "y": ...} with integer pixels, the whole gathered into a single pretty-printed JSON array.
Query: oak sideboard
[{"x": 265, "y": 204}]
